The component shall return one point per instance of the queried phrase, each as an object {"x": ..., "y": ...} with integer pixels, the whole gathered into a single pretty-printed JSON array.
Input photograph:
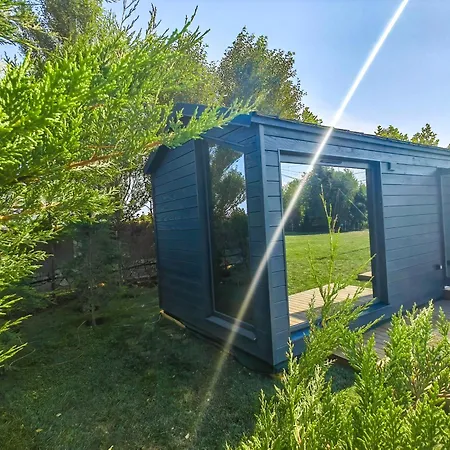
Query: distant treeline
[{"x": 342, "y": 191}]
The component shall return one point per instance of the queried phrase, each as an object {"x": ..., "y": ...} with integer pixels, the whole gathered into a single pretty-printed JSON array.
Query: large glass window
[{"x": 229, "y": 232}]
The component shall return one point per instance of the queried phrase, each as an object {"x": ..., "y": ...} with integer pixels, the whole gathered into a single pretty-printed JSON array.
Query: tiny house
[{"x": 218, "y": 203}]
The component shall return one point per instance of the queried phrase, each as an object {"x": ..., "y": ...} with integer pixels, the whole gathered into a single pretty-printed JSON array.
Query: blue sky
[{"x": 408, "y": 84}]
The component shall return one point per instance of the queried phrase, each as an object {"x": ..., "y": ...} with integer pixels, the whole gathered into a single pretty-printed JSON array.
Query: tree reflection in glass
[{"x": 229, "y": 229}]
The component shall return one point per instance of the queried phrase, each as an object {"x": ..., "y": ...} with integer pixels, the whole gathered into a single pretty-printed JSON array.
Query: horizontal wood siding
[
  {"x": 408, "y": 209},
  {"x": 400, "y": 154},
  {"x": 257, "y": 240},
  {"x": 445, "y": 199},
  {"x": 413, "y": 234},
  {"x": 180, "y": 241}
]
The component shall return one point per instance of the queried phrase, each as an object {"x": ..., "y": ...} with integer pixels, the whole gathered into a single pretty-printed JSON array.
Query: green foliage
[
  {"x": 399, "y": 403},
  {"x": 31, "y": 299},
  {"x": 426, "y": 136},
  {"x": 7, "y": 350},
  {"x": 58, "y": 21},
  {"x": 251, "y": 71},
  {"x": 69, "y": 126},
  {"x": 309, "y": 117},
  {"x": 342, "y": 191},
  {"x": 198, "y": 84},
  {"x": 391, "y": 132},
  {"x": 16, "y": 18},
  {"x": 297, "y": 216},
  {"x": 231, "y": 233},
  {"x": 227, "y": 181},
  {"x": 94, "y": 270}
]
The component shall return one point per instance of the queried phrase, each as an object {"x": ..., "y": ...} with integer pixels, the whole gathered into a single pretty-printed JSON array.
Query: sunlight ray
[{"x": 287, "y": 212}]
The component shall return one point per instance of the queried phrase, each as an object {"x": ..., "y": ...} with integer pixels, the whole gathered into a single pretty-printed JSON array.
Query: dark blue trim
[
  {"x": 245, "y": 120},
  {"x": 300, "y": 334},
  {"x": 347, "y": 134},
  {"x": 155, "y": 159}
]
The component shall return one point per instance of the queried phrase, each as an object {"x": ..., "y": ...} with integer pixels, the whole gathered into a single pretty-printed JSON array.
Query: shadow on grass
[{"x": 137, "y": 381}]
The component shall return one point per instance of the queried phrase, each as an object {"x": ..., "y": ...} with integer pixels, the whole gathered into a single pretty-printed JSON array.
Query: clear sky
[{"x": 408, "y": 84}]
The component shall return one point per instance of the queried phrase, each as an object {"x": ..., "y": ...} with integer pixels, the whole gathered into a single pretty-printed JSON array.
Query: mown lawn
[
  {"x": 134, "y": 382},
  {"x": 353, "y": 254},
  {"x": 137, "y": 381}
]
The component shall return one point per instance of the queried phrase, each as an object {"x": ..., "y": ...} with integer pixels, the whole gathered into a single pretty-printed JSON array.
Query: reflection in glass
[{"x": 229, "y": 229}]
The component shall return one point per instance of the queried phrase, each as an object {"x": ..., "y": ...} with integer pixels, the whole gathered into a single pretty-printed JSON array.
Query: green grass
[
  {"x": 135, "y": 382},
  {"x": 138, "y": 381},
  {"x": 353, "y": 253}
]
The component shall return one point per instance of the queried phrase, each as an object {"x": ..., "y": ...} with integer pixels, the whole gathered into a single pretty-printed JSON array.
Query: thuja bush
[
  {"x": 94, "y": 271},
  {"x": 399, "y": 402}
]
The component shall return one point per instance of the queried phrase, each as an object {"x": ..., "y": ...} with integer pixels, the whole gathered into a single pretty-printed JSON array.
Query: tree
[
  {"x": 199, "y": 84},
  {"x": 251, "y": 71},
  {"x": 309, "y": 117},
  {"x": 426, "y": 136},
  {"x": 59, "y": 21},
  {"x": 391, "y": 132},
  {"x": 358, "y": 214},
  {"x": 227, "y": 181},
  {"x": 62, "y": 21},
  {"x": 69, "y": 126},
  {"x": 95, "y": 265},
  {"x": 16, "y": 18},
  {"x": 341, "y": 195},
  {"x": 342, "y": 191},
  {"x": 295, "y": 220}
]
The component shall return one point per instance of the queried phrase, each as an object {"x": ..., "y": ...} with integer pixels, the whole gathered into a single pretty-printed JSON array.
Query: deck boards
[
  {"x": 365, "y": 276},
  {"x": 381, "y": 331},
  {"x": 299, "y": 302}
]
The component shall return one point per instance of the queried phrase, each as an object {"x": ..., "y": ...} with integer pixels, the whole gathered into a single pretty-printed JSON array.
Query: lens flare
[{"x": 278, "y": 232}]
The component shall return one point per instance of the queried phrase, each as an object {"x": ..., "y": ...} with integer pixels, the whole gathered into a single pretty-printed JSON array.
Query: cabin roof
[{"x": 246, "y": 120}]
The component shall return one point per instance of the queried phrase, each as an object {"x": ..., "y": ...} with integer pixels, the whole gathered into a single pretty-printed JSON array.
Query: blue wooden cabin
[{"x": 409, "y": 215}]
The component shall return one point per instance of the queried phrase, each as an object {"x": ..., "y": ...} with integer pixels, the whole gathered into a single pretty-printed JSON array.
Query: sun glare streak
[{"x": 278, "y": 231}]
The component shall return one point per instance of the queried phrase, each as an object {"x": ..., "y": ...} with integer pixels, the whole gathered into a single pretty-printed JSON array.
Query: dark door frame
[{"x": 445, "y": 254}]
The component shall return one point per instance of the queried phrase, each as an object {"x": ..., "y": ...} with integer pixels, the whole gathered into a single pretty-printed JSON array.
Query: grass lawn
[
  {"x": 353, "y": 253},
  {"x": 138, "y": 381},
  {"x": 134, "y": 382}
]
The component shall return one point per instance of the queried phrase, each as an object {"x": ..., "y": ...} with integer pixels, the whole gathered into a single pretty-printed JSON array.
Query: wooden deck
[
  {"x": 365, "y": 276},
  {"x": 299, "y": 303},
  {"x": 381, "y": 331}
]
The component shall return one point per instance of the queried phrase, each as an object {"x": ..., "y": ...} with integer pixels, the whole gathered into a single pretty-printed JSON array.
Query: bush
[
  {"x": 31, "y": 300},
  {"x": 94, "y": 272},
  {"x": 399, "y": 402}
]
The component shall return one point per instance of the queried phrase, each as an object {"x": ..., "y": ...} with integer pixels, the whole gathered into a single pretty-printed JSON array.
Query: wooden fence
[{"x": 138, "y": 262}]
